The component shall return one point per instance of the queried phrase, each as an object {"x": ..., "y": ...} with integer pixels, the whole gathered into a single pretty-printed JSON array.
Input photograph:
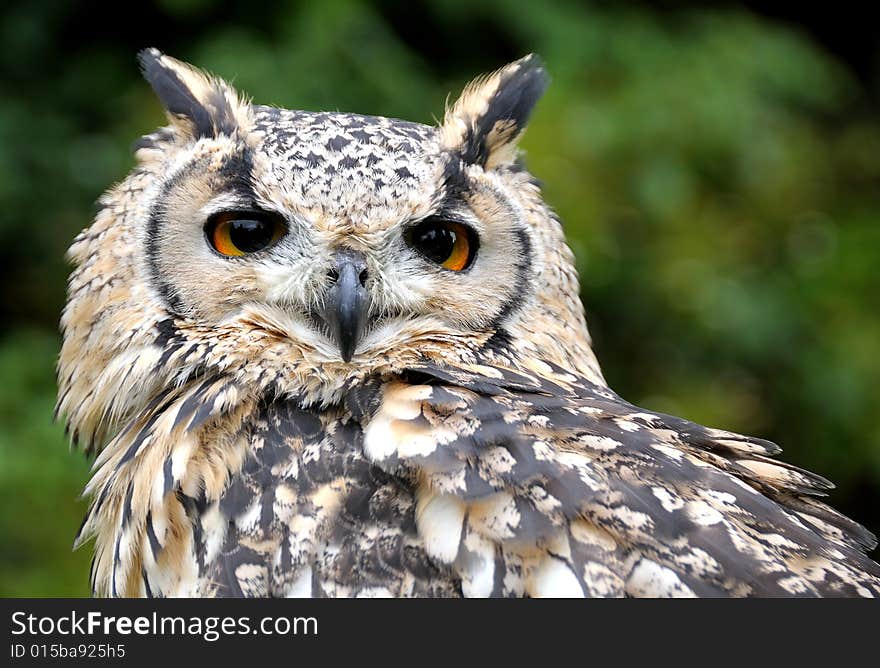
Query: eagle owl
[{"x": 326, "y": 354}]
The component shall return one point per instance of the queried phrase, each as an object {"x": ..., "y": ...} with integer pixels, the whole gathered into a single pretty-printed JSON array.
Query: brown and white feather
[{"x": 469, "y": 447}]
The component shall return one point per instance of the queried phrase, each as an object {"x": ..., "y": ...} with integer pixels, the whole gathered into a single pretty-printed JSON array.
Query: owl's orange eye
[
  {"x": 237, "y": 233},
  {"x": 451, "y": 245}
]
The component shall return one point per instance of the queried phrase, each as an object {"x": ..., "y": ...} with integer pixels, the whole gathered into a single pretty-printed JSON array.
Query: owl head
[{"x": 302, "y": 251}]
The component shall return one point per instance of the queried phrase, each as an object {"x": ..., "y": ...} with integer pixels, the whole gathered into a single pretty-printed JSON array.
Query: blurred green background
[{"x": 717, "y": 170}]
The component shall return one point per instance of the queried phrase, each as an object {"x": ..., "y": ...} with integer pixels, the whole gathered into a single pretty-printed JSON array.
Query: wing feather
[{"x": 581, "y": 492}]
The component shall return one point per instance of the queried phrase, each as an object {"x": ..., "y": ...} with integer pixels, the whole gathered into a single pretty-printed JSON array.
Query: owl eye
[
  {"x": 449, "y": 244},
  {"x": 237, "y": 233}
]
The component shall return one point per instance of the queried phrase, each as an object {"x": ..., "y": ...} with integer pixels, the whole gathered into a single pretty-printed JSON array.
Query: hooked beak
[{"x": 347, "y": 303}]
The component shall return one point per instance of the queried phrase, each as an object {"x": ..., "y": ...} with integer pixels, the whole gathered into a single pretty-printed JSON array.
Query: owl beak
[{"x": 347, "y": 303}]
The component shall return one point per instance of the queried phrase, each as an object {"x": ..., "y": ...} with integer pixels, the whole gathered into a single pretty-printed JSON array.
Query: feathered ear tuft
[
  {"x": 199, "y": 104},
  {"x": 486, "y": 122}
]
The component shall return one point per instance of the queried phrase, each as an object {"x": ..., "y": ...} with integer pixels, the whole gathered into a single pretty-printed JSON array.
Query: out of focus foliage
[{"x": 718, "y": 175}]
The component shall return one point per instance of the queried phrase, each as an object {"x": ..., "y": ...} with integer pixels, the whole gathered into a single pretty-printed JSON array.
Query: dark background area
[{"x": 717, "y": 167}]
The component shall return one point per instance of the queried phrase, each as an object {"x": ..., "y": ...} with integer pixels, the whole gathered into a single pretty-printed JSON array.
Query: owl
[{"x": 327, "y": 354}]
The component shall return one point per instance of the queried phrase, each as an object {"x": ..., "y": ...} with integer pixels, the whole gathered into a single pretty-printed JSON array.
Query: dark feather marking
[
  {"x": 167, "y": 472},
  {"x": 140, "y": 438},
  {"x": 57, "y": 410},
  {"x": 357, "y": 503},
  {"x": 267, "y": 510},
  {"x": 499, "y": 572},
  {"x": 167, "y": 331},
  {"x": 429, "y": 374},
  {"x": 499, "y": 343},
  {"x": 92, "y": 564},
  {"x": 304, "y": 423},
  {"x": 126, "y": 506},
  {"x": 154, "y": 223},
  {"x": 147, "y": 590},
  {"x": 160, "y": 136},
  {"x": 82, "y": 525},
  {"x": 513, "y": 101},
  {"x": 154, "y": 405},
  {"x": 208, "y": 119},
  {"x": 194, "y": 401},
  {"x": 236, "y": 498},
  {"x": 286, "y": 560},
  {"x": 235, "y": 174},
  {"x": 228, "y": 562},
  {"x": 389, "y": 555},
  {"x": 337, "y": 143},
  {"x": 101, "y": 499},
  {"x": 155, "y": 545},
  {"x": 348, "y": 162},
  {"x": 363, "y": 400},
  {"x": 519, "y": 291},
  {"x": 173, "y": 93},
  {"x": 191, "y": 507},
  {"x": 116, "y": 550},
  {"x": 533, "y": 525},
  {"x": 205, "y": 410}
]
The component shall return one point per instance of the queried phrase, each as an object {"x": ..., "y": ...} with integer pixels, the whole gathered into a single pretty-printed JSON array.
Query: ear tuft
[
  {"x": 202, "y": 105},
  {"x": 486, "y": 122}
]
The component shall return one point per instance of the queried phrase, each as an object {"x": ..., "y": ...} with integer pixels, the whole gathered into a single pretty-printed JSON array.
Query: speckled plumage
[{"x": 469, "y": 447}]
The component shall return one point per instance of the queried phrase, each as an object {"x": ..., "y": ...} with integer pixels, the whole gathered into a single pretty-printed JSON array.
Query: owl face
[
  {"x": 301, "y": 252},
  {"x": 341, "y": 230}
]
